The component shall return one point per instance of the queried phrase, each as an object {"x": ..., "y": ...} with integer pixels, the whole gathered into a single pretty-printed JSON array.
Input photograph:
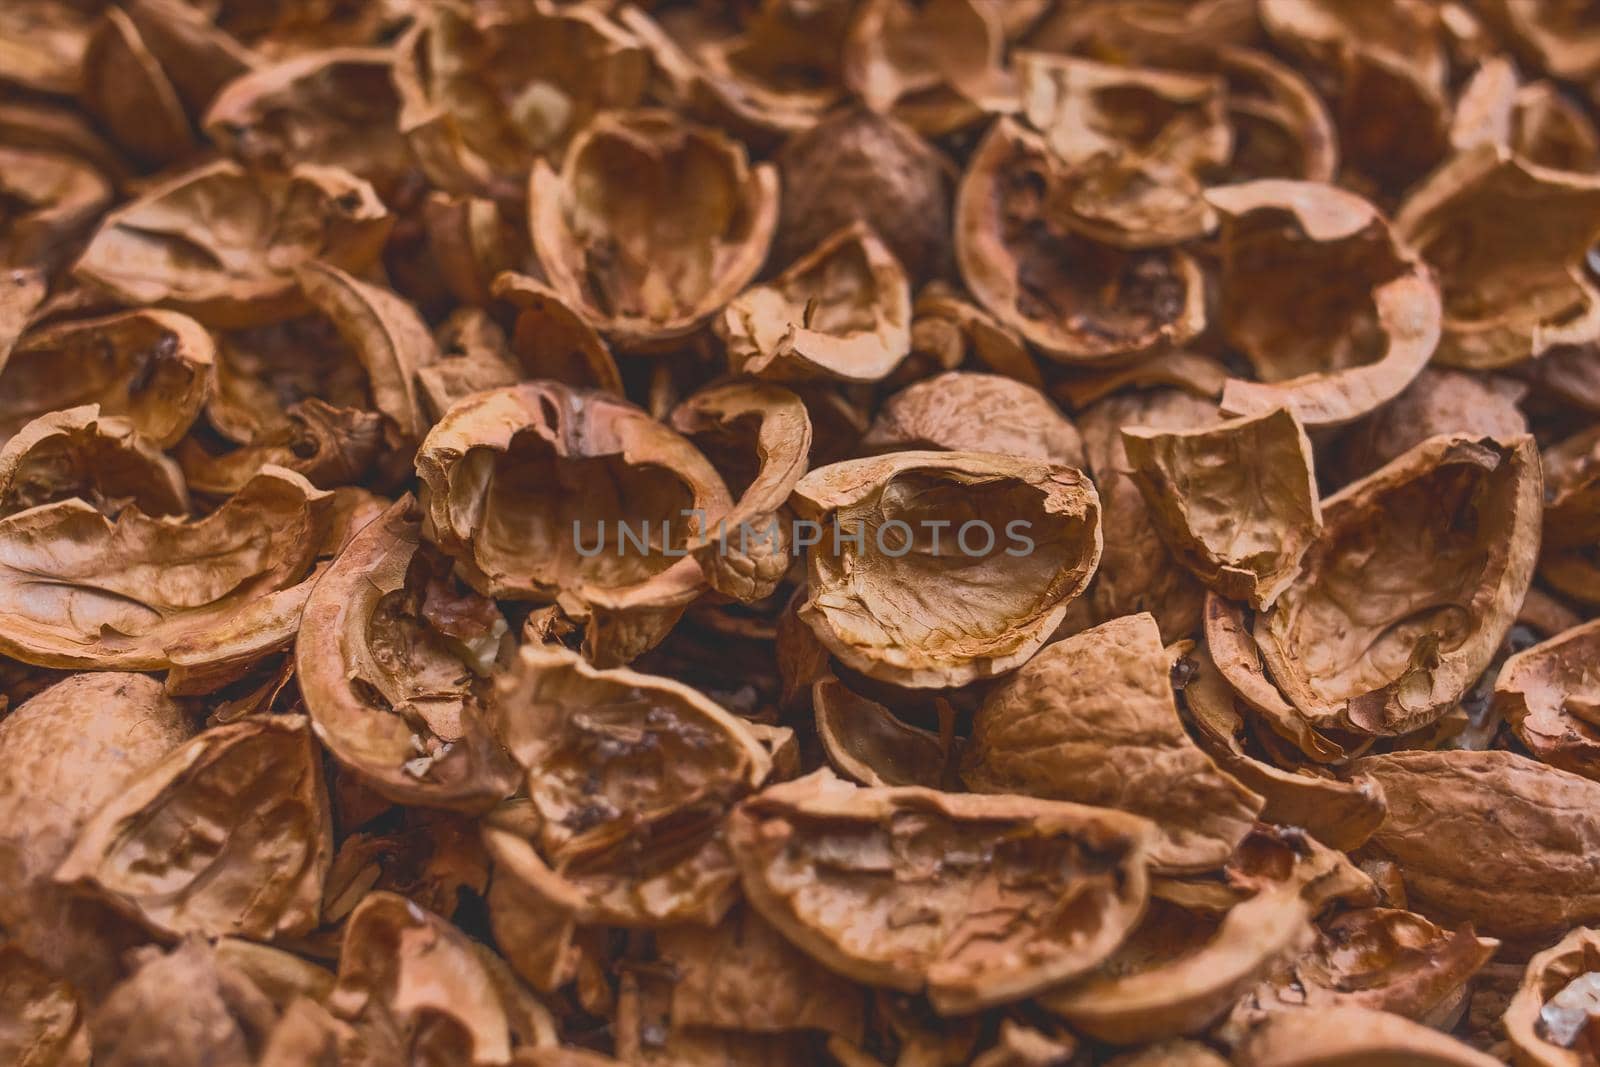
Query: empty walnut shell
[
  {"x": 629, "y": 776},
  {"x": 152, "y": 367},
  {"x": 1453, "y": 554},
  {"x": 1091, "y": 719},
  {"x": 1180, "y": 971},
  {"x": 1507, "y": 240},
  {"x": 1551, "y": 1012},
  {"x": 1236, "y": 502},
  {"x": 337, "y": 108},
  {"x": 893, "y": 600},
  {"x": 1550, "y": 697},
  {"x": 484, "y": 94},
  {"x": 1333, "y": 313},
  {"x": 538, "y": 490},
  {"x": 1136, "y": 144},
  {"x": 977, "y": 900},
  {"x": 963, "y": 411},
  {"x": 126, "y": 594},
  {"x": 256, "y": 785},
  {"x": 1538, "y": 822},
  {"x": 1072, "y": 297},
  {"x": 650, "y": 276},
  {"x": 221, "y": 243},
  {"x": 393, "y": 675},
  {"x": 77, "y": 452},
  {"x": 842, "y": 312}
]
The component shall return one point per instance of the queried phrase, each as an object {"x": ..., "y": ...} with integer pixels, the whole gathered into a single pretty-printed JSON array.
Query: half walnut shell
[
  {"x": 629, "y": 778},
  {"x": 840, "y": 313},
  {"x": 151, "y": 367},
  {"x": 1508, "y": 240},
  {"x": 1071, "y": 296},
  {"x": 222, "y": 243},
  {"x": 82, "y": 591},
  {"x": 936, "y": 569},
  {"x": 1334, "y": 314},
  {"x": 1137, "y": 145},
  {"x": 1550, "y": 1020},
  {"x": 976, "y": 900},
  {"x": 256, "y": 786},
  {"x": 652, "y": 224},
  {"x": 553, "y": 494},
  {"x": 77, "y": 452},
  {"x": 393, "y": 662},
  {"x": 1448, "y": 533}
]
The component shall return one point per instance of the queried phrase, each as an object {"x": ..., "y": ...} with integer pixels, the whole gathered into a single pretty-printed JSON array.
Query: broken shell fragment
[
  {"x": 1235, "y": 502},
  {"x": 629, "y": 777},
  {"x": 393, "y": 662},
  {"x": 77, "y": 452},
  {"x": 840, "y": 313}
]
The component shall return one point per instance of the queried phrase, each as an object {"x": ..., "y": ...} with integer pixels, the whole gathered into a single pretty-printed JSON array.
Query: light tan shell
[
  {"x": 1053, "y": 887},
  {"x": 1091, "y": 719},
  {"x": 1235, "y": 502},
  {"x": 650, "y": 277},
  {"x": 1334, "y": 313},
  {"x": 912, "y": 612}
]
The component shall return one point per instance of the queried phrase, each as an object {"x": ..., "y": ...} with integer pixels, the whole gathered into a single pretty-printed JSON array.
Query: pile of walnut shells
[{"x": 472, "y": 478}]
